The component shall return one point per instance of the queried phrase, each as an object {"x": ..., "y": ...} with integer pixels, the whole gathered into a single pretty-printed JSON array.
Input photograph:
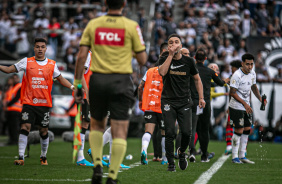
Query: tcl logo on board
[{"x": 109, "y": 36}]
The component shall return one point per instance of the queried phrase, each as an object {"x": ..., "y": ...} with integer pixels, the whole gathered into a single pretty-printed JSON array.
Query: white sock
[
  {"x": 235, "y": 145},
  {"x": 44, "y": 146},
  {"x": 163, "y": 149},
  {"x": 107, "y": 136},
  {"x": 145, "y": 141},
  {"x": 80, "y": 155},
  {"x": 22, "y": 145},
  {"x": 243, "y": 145},
  {"x": 229, "y": 147}
]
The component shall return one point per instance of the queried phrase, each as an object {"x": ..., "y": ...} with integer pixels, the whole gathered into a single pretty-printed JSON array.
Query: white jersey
[
  {"x": 87, "y": 63},
  {"x": 243, "y": 83}
]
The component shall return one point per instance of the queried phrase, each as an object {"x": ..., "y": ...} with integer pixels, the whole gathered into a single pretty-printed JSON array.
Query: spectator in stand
[
  {"x": 39, "y": 33},
  {"x": 5, "y": 24},
  {"x": 202, "y": 25},
  {"x": 278, "y": 77},
  {"x": 252, "y": 6},
  {"x": 271, "y": 32},
  {"x": 71, "y": 24},
  {"x": 11, "y": 34},
  {"x": 22, "y": 44},
  {"x": 263, "y": 76},
  {"x": 41, "y": 21},
  {"x": 242, "y": 48},
  {"x": 277, "y": 8},
  {"x": 211, "y": 8},
  {"x": 38, "y": 10},
  {"x": 261, "y": 18},
  {"x": 205, "y": 40},
  {"x": 182, "y": 32},
  {"x": 68, "y": 36},
  {"x": 142, "y": 19},
  {"x": 158, "y": 24},
  {"x": 78, "y": 15},
  {"x": 226, "y": 49},
  {"x": 19, "y": 17},
  {"x": 167, "y": 12},
  {"x": 102, "y": 12},
  {"x": 191, "y": 18},
  {"x": 170, "y": 27},
  {"x": 247, "y": 24},
  {"x": 54, "y": 26},
  {"x": 225, "y": 74},
  {"x": 69, "y": 59},
  {"x": 191, "y": 35},
  {"x": 276, "y": 25},
  {"x": 83, "y": 23},
  {"x": 216, "y": 37}
]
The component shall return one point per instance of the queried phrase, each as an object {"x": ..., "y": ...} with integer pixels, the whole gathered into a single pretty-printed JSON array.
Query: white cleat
[{"x": 246, "y": 161}]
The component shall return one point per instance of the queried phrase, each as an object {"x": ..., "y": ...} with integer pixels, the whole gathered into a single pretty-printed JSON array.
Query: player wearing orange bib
[{"x": 37, "y": 82}]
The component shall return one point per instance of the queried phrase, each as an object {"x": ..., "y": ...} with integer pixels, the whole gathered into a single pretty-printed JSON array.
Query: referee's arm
[
  {"x": 81, "y": 58},
  {"x": 217, "y": 79}
]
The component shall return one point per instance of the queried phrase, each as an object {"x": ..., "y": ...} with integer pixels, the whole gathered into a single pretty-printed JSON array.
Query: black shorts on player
[
  {"x": 110, "y": 92},
  {"x": 154, "y": 117},
  {"x": 239, "y": 118},
  {"x": 35, "y": 115}
]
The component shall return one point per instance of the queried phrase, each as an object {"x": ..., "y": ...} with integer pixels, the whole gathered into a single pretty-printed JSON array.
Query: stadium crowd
[{"x": 219, "y": 27}]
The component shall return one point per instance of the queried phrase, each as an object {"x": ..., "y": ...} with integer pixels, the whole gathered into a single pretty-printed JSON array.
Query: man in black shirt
[
  {"x": 176, "y": 101},
  {"x": 202, "y": 122}
]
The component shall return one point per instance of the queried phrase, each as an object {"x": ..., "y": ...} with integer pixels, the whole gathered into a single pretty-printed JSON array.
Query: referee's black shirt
[{"x": 206, "y": 75}]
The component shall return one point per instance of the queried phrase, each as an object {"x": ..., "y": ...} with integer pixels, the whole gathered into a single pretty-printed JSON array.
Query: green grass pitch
[{"x": 267, "y": 169}]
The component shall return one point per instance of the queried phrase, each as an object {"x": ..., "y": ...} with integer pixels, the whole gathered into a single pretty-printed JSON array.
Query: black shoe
[
  {"x": 111, "y": 181},
  {"x": 204, "y": 158},
  {"x": 192, "y": 158},
  {"x": 171, "y": 167},
  {"x": 182, "y": 164},
  {"x": 97, "y": 175}
]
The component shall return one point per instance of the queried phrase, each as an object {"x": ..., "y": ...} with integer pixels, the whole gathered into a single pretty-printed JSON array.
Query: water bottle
[
  {"x": 129, "y": 157},
  {"x": 263, "y": 98}
]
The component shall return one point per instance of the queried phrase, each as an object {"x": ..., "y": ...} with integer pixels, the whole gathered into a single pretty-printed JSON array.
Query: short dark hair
[
  {"x": 200, "y": 55},
  {"x": 236, "y": 63},
  {"x": 247, "y": 56},
  {"x": 174, "y": 35},
  {"x": 163, "y": 46},
  {"x": 40, "y": 40},
  {"x": 115, "y": 4}
]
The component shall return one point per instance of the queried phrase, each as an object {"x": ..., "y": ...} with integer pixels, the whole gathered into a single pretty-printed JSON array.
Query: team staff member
[
  {"x": 14, "y": 108},
  {"x": 201, "y": 123},
  {"x": 242, "y": 82},
  {"x": 176, "y": 101},
  {"x": 149, "y": 96},
  {"x": 36, "y": 95},
  {"x": 112, "y": 38}
]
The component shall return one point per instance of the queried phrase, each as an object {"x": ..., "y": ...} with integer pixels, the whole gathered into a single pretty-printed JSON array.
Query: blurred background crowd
[{"x": 221, "y": 27}]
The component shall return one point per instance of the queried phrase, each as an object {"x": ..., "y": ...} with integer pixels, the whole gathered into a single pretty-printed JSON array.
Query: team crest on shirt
[
  {"x": 25, "y": 116},
  {"x": 233, "y": 81},
  {"x": 166, "y": 107},
  {"x": 241, "y": 122}
]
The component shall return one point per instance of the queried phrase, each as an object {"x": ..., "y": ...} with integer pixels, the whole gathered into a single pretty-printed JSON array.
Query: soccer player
[
  {"x": 149, "y": 96},
  {"x": 85, "y": 112},
  {"x": 201, "y": 123},
  {"x": 112, "y": 39},
  {"x": 37, "y": 82},
  {"x": 241, "y": 84},
  {"x": 235, "y": 65},
  {"x": 176, "y": 101}
]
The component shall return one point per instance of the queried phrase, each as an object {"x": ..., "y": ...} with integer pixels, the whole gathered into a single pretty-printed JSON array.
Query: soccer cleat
[
  {"x": 182, "y": 164},
  {"x": 157, "y": 159},
  {"x": 228, "y": 151},
  {"x": 144, "y": 158},
  {"x": 20, "y": 161},
  {"x": 164, "y": 162},
  {"x": 97, "y": 175},
  {"x": 236, "y": 161},
  {"x": 211, "y": 155},
  {"x": 192, "y": 158},
  {"x": 124, "y": 166},
  {"x": 176, "y": 156},
  {"x": 246, "y": 161},
  {"x": 204, "y": 158},
  {"x": 171, "y": 168},
  {"x": 89, "y": 152},
  {"x": 43, "y": 161},
  {"x": 104, "y": 163},
  {"x": 84, "y": 162},
  {"x": 111, "y": 181}
]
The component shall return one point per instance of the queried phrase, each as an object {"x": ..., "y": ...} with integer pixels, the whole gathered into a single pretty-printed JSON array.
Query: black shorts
[
  {"x": 35, "y": 115},
  {"x": 85, "y": 111},
  {"x": 111, "y": 92},
  {"x": 154, "y": 117},
  {"x": 239, "y": 118}
]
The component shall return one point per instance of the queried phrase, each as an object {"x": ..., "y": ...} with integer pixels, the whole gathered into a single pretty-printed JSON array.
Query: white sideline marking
[{"x": 206, "y": 176}]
